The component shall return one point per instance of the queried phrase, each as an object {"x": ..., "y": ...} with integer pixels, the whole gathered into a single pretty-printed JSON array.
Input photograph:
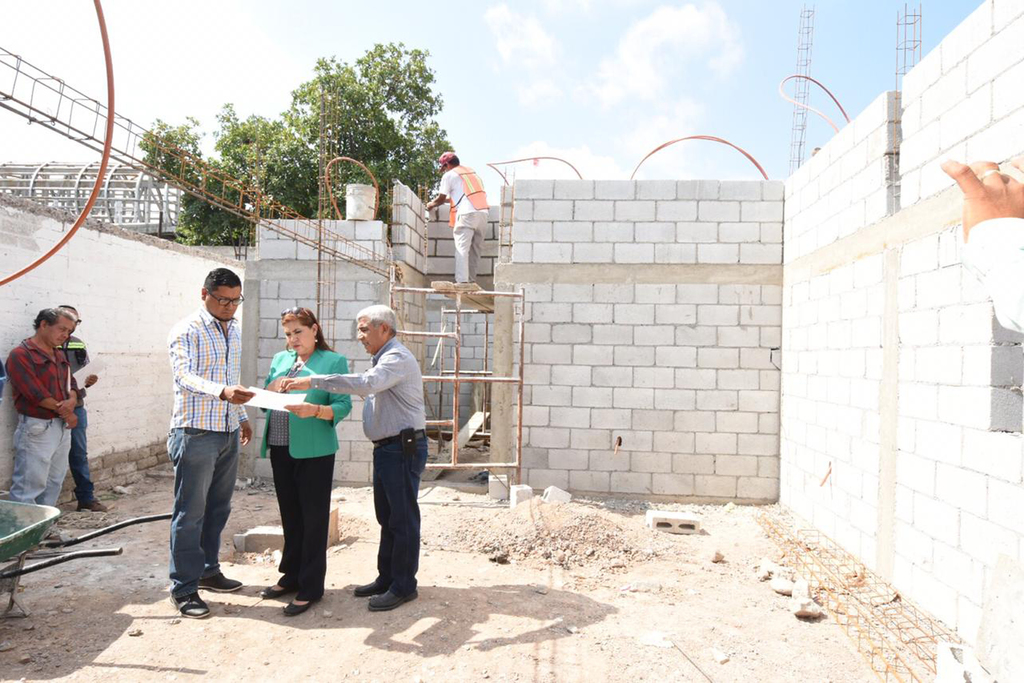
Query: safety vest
[{"x": 473, "y": 188}]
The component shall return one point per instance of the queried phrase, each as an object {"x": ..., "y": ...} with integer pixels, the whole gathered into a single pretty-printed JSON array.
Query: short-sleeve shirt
[{"x": 453, "y": 188}]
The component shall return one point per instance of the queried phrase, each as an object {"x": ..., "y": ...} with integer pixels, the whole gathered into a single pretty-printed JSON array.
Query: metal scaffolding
[
  {"x": 129, "y": 198},
  {"x": 472, "y": 303}
]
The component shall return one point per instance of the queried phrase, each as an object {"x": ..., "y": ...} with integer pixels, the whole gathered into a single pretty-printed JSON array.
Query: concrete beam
[{"x": 622, "y": 273}]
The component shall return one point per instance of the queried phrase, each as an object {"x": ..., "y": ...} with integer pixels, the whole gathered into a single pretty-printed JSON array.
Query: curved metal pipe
[
  {"x": 710, "y": 138},
  {"x": 517, "y": 161},
  {"x": 807, "y": 106},
  {"x": 330, "y": 192},
  {"x": 108, "y": 138}
]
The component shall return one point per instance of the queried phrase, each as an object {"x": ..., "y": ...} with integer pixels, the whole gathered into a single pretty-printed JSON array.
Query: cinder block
[
  {"x": 518, "y": 494},
  {"x": 722, "y": 211},
  {"x": 555, "y": 495},
  {"x": 673, "y": 522},
  {"x": 260, "y": 538}
]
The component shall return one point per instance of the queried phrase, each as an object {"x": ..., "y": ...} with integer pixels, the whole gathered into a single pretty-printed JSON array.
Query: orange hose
[
  {"x": 330, "y": 192},
  {"x": 808, "y": 107},
  {"x": 710, "y": 138},
  {"x": 516, "y": 161},
  {"x": 107, "y": 140}
]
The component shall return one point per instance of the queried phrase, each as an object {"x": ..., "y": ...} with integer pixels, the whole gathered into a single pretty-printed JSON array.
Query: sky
[{"x": 597, "y": 82}]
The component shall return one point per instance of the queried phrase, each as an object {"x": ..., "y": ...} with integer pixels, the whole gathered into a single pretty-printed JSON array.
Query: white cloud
[
  {"x": 543, "y": 91},
  {"x": 677, "y": 120},
  {"x": 655, "y": 49},
  {"x": 520, "y": 39}
]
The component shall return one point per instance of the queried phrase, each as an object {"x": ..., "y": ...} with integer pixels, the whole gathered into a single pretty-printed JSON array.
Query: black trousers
[
  {"x": 304, "y": 498},
  {"x": 396, "y": 485}
]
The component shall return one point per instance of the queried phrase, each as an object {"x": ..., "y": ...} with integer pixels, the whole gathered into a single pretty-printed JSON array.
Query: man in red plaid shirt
[{"x": 45, "y": 394}]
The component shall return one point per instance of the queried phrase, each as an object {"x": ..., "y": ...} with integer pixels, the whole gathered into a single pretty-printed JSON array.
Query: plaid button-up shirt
[
  {"x": 35, "y": 377},
  {"x": 204, "y": 360}
]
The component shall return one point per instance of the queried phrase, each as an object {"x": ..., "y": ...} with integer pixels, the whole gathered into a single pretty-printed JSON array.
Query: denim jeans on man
[
  {"x": 78, "y": 459},
  {"x": 40, "y": 460},
  {"x": 205, "y": 467},
  {"x": 396, "y": 485}
]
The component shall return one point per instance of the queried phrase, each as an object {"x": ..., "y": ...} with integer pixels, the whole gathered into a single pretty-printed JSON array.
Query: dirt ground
[{"x": 581, "y": 592}]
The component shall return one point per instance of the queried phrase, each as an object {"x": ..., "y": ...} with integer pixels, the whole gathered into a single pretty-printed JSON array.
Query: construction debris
[
  {"x": 553, "y": 494},
  {"x": 719, "y": 656},
  {"x": 805, "y": 608},
  {"x": 717, "y": 556},
  {"x": 782, "y": 585}
]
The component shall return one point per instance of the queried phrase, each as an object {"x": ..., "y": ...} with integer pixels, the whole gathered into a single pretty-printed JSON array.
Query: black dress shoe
[
  {"x": 383, "y": 603},
  {"x": 291, "y": 609},
  {"x": 370, "y": 589},
  {"x": 218, "y": 583},
  {"x": 270, "y": 592}
]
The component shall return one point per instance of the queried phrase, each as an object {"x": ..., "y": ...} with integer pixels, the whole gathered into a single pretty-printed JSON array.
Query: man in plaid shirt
[
  {"x": 207, "y": 425},
  {"x": 45, "y": 394}
]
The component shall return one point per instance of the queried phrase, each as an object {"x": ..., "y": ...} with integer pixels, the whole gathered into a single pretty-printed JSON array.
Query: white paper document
[
  {"x": 272, "y": 400},
  {"x": 95, "y": 367}
]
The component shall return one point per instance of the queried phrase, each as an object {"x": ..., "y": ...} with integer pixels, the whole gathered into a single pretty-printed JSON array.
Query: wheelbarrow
[{"x": 23, "y": 530}]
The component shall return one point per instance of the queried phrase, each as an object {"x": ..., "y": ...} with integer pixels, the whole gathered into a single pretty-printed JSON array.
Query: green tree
[{"x": 380, "y": 110}]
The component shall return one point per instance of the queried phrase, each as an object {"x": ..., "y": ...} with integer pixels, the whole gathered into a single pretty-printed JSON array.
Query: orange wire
[
  {"x": 108, "y": 139},
  {"x": 808, "y": 107},
  {"x": 710, "y": 138},
  {"x": 516, "y": 161},
  {"x": 330, "y": 192}
]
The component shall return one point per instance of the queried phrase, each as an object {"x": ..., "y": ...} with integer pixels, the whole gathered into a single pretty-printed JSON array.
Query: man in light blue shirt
[
  {"x": 394, "y": 417},
  {"x": 994, "y": 234}
]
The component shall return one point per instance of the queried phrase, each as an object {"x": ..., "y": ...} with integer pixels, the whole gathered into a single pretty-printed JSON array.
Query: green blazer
[{"x": 311, "y": 437}]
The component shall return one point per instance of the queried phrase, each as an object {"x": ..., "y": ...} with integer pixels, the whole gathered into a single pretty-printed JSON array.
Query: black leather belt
[{"x": 397, "y": 438}]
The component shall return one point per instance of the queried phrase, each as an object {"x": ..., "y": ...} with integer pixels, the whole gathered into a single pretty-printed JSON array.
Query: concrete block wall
[
  {"x": 851, "y": 182},
  {"x": 658, "y": 381},
  {"x": 130, "y": 290},
  {"x": 831, "y": 378},
  {"x": 901, "y": 394},
  {"x": 959, "y": 458},
  {"x": 963, "y": 100},
  {"x": 284, "y": 274}
]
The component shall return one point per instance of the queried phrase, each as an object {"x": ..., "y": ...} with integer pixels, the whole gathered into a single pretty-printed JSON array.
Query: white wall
[{"x": 130, "y": 289}]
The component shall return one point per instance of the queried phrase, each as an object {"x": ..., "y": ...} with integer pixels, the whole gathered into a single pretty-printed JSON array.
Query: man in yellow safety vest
[{"x": 462, "y": 188}]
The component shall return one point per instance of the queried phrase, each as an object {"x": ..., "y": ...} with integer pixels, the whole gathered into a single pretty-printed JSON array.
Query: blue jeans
[
  {"x": 396, "y": 484},
  {"x": 40, "y": 460},
  {"x": 79, "y": 458},
  {"x": 205, "y": 467}
]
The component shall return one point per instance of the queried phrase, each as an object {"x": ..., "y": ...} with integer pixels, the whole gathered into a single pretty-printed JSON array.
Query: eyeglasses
[
  {"x": 295, "y": 310},
  {"x": 224, "y": 301}
]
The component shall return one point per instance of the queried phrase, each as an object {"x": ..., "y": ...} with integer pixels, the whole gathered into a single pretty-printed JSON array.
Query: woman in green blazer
[{"x": 302, "y": 443}]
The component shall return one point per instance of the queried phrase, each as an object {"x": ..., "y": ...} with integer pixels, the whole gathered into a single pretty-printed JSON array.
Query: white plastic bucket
[{"x": 359, "y": 201}]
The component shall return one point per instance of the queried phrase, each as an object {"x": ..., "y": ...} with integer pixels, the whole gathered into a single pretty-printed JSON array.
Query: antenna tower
[{"x": 805, "y": 38}]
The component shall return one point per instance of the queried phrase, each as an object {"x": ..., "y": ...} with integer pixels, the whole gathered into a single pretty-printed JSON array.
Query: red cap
[{"x": 445, "y": 158}]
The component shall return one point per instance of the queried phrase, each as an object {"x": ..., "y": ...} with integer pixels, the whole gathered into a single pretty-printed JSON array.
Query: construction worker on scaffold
[{"x": 462, "y": 188}]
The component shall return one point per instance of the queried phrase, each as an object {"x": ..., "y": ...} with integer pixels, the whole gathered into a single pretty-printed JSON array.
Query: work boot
[
  {"x": 92, "y": 506},
  {"x": 218, "y": 583}
]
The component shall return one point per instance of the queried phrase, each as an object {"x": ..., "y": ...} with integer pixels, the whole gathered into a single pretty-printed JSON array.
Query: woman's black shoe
[
  {"x": 291, "y": 609},
  {"x": 270, "y": 592}
]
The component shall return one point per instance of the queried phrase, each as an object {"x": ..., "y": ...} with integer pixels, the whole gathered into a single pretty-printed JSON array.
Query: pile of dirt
[{"x": 569, "y": 535}]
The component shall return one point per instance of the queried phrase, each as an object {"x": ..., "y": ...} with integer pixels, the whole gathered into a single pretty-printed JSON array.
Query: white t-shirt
[{"x": 453, "y": 188}]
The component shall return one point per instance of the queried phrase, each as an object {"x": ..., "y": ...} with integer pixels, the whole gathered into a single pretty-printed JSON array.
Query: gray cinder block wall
[
  {"x": 653, "y": 336},
  {"x": 900, "y": 390}
]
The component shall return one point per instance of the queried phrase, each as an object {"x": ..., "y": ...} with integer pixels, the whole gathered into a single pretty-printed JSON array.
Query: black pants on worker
[
  {"x": 396, "y": 485},
  {"x": 304, "y": 498}
]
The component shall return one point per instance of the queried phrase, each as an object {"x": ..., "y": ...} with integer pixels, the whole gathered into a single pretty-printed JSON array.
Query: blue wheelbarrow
[{"x": 23, "y": 529}]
